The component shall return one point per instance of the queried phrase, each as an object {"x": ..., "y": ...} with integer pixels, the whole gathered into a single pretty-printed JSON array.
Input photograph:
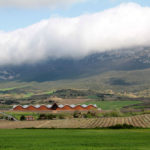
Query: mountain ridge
[
  {"x": 120, "y": 70},
  {"x": 67, "y": 68}
]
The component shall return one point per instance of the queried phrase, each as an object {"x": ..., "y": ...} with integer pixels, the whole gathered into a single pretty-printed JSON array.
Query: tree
[{"x": 22, "y": 118}]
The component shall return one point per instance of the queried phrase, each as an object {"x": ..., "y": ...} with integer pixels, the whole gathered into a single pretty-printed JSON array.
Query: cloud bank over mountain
[
  {"x": 37, "y": 3},
  {"x": 124, "y": 26}
]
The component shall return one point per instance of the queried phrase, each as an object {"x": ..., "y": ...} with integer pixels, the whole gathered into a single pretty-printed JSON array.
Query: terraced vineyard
[{"x": 137, "y": 121}]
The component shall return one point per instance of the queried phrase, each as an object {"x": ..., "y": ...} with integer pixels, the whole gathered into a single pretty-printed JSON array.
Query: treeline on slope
[
  {"x": 73, "y": 93},
  {"x": 16, "y": 90},
  {"x": 62, "y": 93},
  {"x": 68, "y": 93}
]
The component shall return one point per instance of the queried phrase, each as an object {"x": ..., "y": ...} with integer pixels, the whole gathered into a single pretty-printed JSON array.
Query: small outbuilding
[{"x": 29, "y": 118}]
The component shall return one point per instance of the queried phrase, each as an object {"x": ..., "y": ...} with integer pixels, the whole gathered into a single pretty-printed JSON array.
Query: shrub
[
  {"x": 47, "y": 116},
  {"x": 51, "y": 116},
  {"x": 1, "y": 116},
  {"x": 146, "y": 112},
  {"x": 61, "y": 116},
  {"x": 42, "y": 117},
  {"x": 22, "y": 118},
  {"x": 11, "y": 119},
  {"x": 122, "y": 126},
  {"x": 77, "y": 114},
  {"x": 6, "y": 118},
  {"x": 116, "y": 113},
  {"x": 90, "y": 114}
]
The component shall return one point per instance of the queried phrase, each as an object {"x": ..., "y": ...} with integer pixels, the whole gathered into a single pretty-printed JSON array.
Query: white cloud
[
  {"x": 37, "y": 3},
  {"x": 125, "y": 26}
]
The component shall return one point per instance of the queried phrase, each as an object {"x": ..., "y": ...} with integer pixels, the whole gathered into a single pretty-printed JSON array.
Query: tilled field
[{"x": 137, "y": 121}]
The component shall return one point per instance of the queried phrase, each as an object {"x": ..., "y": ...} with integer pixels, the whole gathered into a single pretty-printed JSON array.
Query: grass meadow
[
  {"x": 74, "y": 139},
  {"x": 110, "y": 105}
]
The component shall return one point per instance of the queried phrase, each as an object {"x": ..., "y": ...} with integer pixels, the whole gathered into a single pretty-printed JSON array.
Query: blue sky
[{"x": 14, "y": 18}]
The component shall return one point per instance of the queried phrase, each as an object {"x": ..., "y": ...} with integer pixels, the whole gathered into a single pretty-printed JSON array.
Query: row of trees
[{"x": 76, "y": 114}]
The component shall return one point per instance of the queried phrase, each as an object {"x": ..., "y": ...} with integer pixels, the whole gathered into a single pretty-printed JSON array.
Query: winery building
[{"x": 56, "y": 107}]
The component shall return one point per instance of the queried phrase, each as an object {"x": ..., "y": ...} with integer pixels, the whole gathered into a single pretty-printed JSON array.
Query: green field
[
  {"x": 86, "y": 139},
  {"x": 110, "y": 105}
]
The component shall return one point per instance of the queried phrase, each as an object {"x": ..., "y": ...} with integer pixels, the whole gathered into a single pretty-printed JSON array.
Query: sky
[
  {"x": 14, "y": 17},
  {"x": 35, "y": 30}
]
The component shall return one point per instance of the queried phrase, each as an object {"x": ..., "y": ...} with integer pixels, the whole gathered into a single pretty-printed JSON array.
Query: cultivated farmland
[{"x": 136, "y": 121}]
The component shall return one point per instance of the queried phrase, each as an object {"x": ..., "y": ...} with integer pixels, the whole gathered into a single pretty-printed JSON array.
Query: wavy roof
[{"x": 59, "y": 106}]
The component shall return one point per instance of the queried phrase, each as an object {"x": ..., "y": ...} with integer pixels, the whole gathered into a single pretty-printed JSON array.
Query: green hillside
[{"x": 126, "y": 82}]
